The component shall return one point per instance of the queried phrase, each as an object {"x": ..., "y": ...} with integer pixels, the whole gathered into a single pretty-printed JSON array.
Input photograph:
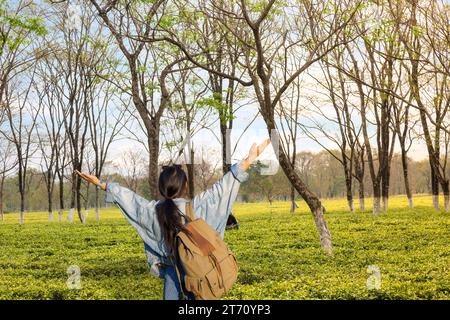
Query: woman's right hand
[{"x": 91, "y": 179}]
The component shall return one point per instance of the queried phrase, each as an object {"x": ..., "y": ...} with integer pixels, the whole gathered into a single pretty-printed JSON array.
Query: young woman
[{"x": 158, "y": 221}]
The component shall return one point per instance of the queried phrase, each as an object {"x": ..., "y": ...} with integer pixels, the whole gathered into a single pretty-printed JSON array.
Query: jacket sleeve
[
  {"x": 214, "y": 205},
  {"x": 139, "y": 212}
]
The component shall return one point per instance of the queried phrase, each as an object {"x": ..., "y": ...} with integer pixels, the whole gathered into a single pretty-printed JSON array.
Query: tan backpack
[{"x": 210, "y": 267}]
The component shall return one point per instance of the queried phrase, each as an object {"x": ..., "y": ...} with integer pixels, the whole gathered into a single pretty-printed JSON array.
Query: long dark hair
[{"x": 172, "y": 183}]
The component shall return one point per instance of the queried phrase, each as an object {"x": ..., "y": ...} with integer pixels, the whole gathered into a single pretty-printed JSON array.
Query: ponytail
[
  {"x": 170, "y": 221},
  {"x": 172, "y": 183}
]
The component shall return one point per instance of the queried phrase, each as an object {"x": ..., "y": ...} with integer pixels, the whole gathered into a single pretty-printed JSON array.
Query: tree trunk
[
  {"x": 60, "y": 215},
  {"x": 97, "y": 205},
  {"x": 226, "y": 161},
  {"x": 376, "y": 200},
  {"x": 61, "y": 198},
  {"x": 385, "y": 185},
  {"x": 445, "y": 190},
  {"x": 406, "y": 178},
  {"x": 1, "y": 197},
  {"x": 293, "y": 203},
  {"x": 50, "y": 206},
  {"x": 348, "y": 185},
  {"x": 190, "y": 173},
  {"x": 311, "y": 200},
  {"x": 78, "y": 196},
  {"x": 434, "y": 189},
  {"x": 70, "y": 216},
  {"x": 325, "y": 236},
  {"x": 362, "y": 205},
  {"x": 351, "y": 205},
  {"x": 72, "y": 205},
  {"x": 385, "y": 203},
  {"x": 22, "y": 207},
  {"x": 376, "y": 206},
  {"x": 153, "y": 147},
  {"x": 72, "y": 199}
]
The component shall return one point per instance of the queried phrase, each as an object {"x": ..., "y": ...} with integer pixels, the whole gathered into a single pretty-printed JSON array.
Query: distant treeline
[{"x": 322, "y": 172}]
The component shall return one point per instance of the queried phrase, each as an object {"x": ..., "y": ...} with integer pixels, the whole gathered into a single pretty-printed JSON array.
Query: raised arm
[
  {"x": 214, "y": 205},
  {"x": 139, "y": 211}
]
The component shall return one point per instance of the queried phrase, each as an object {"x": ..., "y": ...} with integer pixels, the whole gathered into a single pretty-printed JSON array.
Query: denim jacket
[{"x": 213, "y": 205}]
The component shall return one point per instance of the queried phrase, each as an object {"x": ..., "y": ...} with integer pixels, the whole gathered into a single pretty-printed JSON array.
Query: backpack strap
[
  {"x": 203, "y": 244},
  {"x": 190, "y": 217},
  {"x": 190, "y": 210}
]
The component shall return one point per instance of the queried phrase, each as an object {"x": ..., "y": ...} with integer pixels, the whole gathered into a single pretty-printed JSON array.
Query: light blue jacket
[{"x": 213, "y": 205}]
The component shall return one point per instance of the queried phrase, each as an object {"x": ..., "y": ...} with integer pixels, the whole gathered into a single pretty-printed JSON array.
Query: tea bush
[{"x": 278, "y": 253}]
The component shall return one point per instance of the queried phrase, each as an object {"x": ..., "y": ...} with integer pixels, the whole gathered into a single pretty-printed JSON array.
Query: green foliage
[
  {"x": 167, "y": 21},
  {"x": 417, "y": 31},
  {"x": 21, "y": 27},
  {"x": 278, "y": 253},
  {"x": 215, "y": 102}
]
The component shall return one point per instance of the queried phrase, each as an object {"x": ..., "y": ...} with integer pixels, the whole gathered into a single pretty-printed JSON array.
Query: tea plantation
[{"x": 278, "y": 253}]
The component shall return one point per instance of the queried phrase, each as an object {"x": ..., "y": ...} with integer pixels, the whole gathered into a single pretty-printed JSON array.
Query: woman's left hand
[{"x": 254, "y": 153}]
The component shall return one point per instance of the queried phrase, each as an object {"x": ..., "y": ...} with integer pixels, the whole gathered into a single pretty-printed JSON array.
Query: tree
[
  {"x": 371, "y": 68},
  {"x": 78, "y": 53},
  {"x": 141, "y": 18},
  {"x": 7, "y": 164},
  {"x": 131, "y": 164},
  {"x": 185, "y": 117},
  {"x": 253, "y": 25},
  {"x": 106, "y": 120},
  {"x": 333, "y": 120},
  {"x": 403, "y": 126},
  {"x": 50, "y": 134},
  {"x": 289, "y": 113},
  {"x": 426, "y": 51},
  {"x": 21, "y": 121},
  {"x": 20, "y": 25}
]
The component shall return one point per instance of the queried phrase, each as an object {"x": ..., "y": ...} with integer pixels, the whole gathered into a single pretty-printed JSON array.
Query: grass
[{"x": 278, "y": 252}]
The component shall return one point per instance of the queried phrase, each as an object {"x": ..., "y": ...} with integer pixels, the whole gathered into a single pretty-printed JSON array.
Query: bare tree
[
  {"x": 260, "y": 45},
  {"x": 132, "y": 166},
  {"x": 78, "y": 54},
  {"x": 8, "y": 163},
  {"x": 128, "y": 23},
  {"x": 427, "y": 68},
  {"x": 17, "y": 54},
  {"x": 106, "y": 119},
  {"x": 403, "y": 124},
  {"x": 53, "y": 122},
  {"x": 289, "y": 116},
  {"x": 333, "y": 120},
  {"x": 185, "y": 118},
  {"x": 371, "y": 68},
  {"x": 49, "y": 131},
  {"x": 21, "y": 121}
]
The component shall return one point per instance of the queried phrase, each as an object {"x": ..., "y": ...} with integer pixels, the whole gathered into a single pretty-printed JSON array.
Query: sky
[{"x": 242, "y": 137}]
